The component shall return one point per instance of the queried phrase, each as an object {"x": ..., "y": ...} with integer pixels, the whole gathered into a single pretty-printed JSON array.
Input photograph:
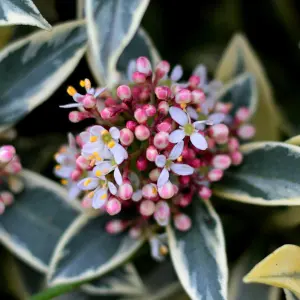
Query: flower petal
[
  {"x": 137, "y": 195},
  {"x": 118, "y": 176},
  {"x": 182, "y": 169},
  {"x": 176, "y": 73},
  {"x": 71, "y": 105},
  {"x": 115, "y": 133},
  {"x": 72, "y": 141},
  {"x": 131, "y": 69},
  {"x": 99, "y": 198},
  {"x": 163, "y": 177},
  {"x": 160, "y": 161},
  {"x": 73, "y": 191},
  {"x": 112, "y": 188},
  {"x": 176, "y": 151},
  {"x": 96, "y": 130},
  {"x": 201, "y": 71},
  {"x": 64, "y": 171},
  {"x": 199, "y": 141},
  {"x": 199, "y": 125},
  {"x": 176, "y": 136},
  {"x": 216, "y": 118},
  {"x": 119, "y": 153},
  {"x": 103, "y": 168},
  {"x": 85, "y": 136},
  {"x": 89, "y": 183},
  {"x": 192, "y": 113},
  {"x": 99, "y": 91},
  {"x": 155, "y": 245},
  {"x": 178, "y": 115}
]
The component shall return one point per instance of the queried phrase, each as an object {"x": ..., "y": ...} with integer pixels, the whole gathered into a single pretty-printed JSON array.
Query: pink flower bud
[
  {"x": 126, "y": 137},
  {"x": 151, "y": 153},
  {"x": 163, "y": 107},
  {"x": 6, "y": 154},
  {"x": 113, "y": 206},
  {"x": 2, "y": 208},
  {"x": 183, "y": 96},
  {"x": 115, "y": 226},
  {"x": 205, "y": 192},
  {"x": 7, "y": 198},
  {"x": 142, "y": 163},
  {"x": 236, "y": 158},
  {"x": 140, "y": 115},
  {"x": 162, "y": 69},
  {"x": 107, "y": 113},
  {"x": 215, "y": 175},
  {"x": 184, "y": 180},
  {"x": 76, "y": 174},
  {"x": 147, "y": 208},
  {"x": 223, "y": 107},
  {"x": 175, "y": 189},
  {"x": 149, "y": 191},
  {"x": 165, "y": 126},
  {"x": 242, "y": 115},
  {"x": 221, "y": 161},
  {"x": 194, "y": 81},
  {"x": 233, "y": 144},
  {"x": 162, "y": 92},
  {"x": 196, "y": 163},
  {"x": 198, "y": 97},
  {"x": 9, "y": 148},
  {"x": 154, "y": 174},
  {"x": 185, "y": 200},
  {"x": 166, "y": 191},
  {"x": 211, "y": 143},
  {"x": 125, "y": 191},
  {"x": 131, "y": 125},
  {"x": 124, "y": 92},
  {"x": 150, "y": 110},
  {"x": 162, "y": 213},
  {"x": 142, "y": 132},
  {"x": 143, "y": 65},
  {"x": 138, "y": 77},
  {"x": 246, "y": 132},
  {"x": 145, "y": 94},
  {"x": 89, "y": 101},
  {"x": 109, "y": 102},
  {"x": 82, "y": 162},
  {"x": 182, "y": 222},
  {"x": 87, "y": 202},
  {"x": 135, "y": 232},
  {"x": 220, "y": 133},
  {"x": 77, "y": 116},
  {"x": 161, "y": 140}
]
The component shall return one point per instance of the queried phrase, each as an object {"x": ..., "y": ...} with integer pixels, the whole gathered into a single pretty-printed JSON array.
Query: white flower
[
  {"x": 158, "y": 246},
  {"x": 167, "y": 164},
  {"x": 105, "y": 167},
  {"x": 187, "y": 128}
]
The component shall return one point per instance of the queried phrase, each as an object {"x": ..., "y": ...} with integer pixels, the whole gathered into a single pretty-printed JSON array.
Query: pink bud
[
  {"x": 175, "y": 189},
  {"x": 221, "y": 161},
  {"x": 236, "y": 158},
  {"x": 131, "y": 125},
  {"x": 142, "y": 163},
  {"x": 138, "y": 77},
  {"x": 183, "y": 96},
  {"x": 154, "y": 174},
  {"x": 147, "y": 208},
  {"x": 82, "y": 162},
  {"x": 220, "y": 133},
  {"x": 163, "y": 107},
  {"x": 135, "y": 232},
  {"x": 109, "y": 102},
  {"x": 143, "y": 65},
  {"x": 242, "y": 115},
  {"x": 215, "y": 175},
  {"x": 6, "y": 155},
  {"x": 196, "y": 163},
  {"x": 113, "y": 206},
  {"x": 246, "y": 131},
  {"x": 210, "y": 143},
  {"x": 107, "y": 113},
  {"x": 162, "y": 92},
  {"x": 87, "y": 202},
  {"x": 165, "y": 126},
  {"x": 2, "y": 208},
  {"x": 150, "y": 110},
  {"x": 149, "y": 191},
  {"x": 151, "y": 153},
  {"x": 7, "y": 198},
  {"x": 76, "y": 174},
  {"x": 205, "y": 193},
  {"x": 166, "y": 191},
  {"x": 140, "y": 115},
  {"x": 182, "y": 222},
  {"x": 89, "y": 101},
  {"x": 162, "y": 69},
  {"x": 124, "y": 92},
  {"x": 233, "y": 144},
  {"x": 194, "y": 81},
  {"x": 185, "y": 200},
  {"x": 126, "y": 137},
  {"x": 9, "y": 148},
  {"x": 184, "y": 180},
  {"x": 198, "y": 97},
  {"x": 142, "y": 132},
  {"x": 115, "y": 226},
  {"x": 125, "y": 191},
  {"x": 77, "y": 116},
  {"x": 162, "y": 213},
  {"x": 161, "y": 140},
  {"x": 223, "y": 107}
]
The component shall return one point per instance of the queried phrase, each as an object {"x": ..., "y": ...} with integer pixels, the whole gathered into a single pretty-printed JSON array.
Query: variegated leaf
[
  {"x": 111, "y": 26},
  {"x": 295, "y": 140},
  {"x": 121, "y": 281},
  {"x": 269, "y": 175},
  {"x": 21, "y": 12},
  {"x": 34, "y": 67},
  {"x": 32, "y": 225},
  {"x": 281, "y": 269},
  {"x": 241, "y": 92},
  {"x": 199, "y": 255},
  {"x": 86, "y": 251},
  {"x": 289, "y": 295}
]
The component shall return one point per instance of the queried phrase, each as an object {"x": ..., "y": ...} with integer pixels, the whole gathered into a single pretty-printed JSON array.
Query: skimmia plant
[{"x": 158, "y": 153}]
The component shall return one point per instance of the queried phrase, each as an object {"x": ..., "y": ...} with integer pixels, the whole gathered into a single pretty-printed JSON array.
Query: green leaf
[
  {"x": 21, "y": 12},
  {"x": 32, "y": 225},
  {"x": 241, "y": 92},
  {"x": 289, "y": 295},
  {"x": 268, "y": 175},
  {"x": 121, "y": 281},
  {"x": 140, "y": 45},
  {"x": 32, "y": 68},
  {"x": 86, "y": 251},
  {"x": 111, "y": 26},
  {"x": 199, "y": 255},
  {"x": 237, "y": 288}
]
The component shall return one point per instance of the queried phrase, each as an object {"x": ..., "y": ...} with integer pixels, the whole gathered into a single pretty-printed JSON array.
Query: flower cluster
[
  {"x": 155, "y": 144},
  {"x": 10, "y": 166}
]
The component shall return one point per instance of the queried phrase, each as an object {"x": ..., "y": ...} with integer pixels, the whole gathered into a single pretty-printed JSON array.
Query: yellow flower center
[
  {"x": 93, "y": 138},
  {"x": 107, "y": 139},
  {"x": 87, "y": 182},
  {"x": 188, "y": 129}
]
